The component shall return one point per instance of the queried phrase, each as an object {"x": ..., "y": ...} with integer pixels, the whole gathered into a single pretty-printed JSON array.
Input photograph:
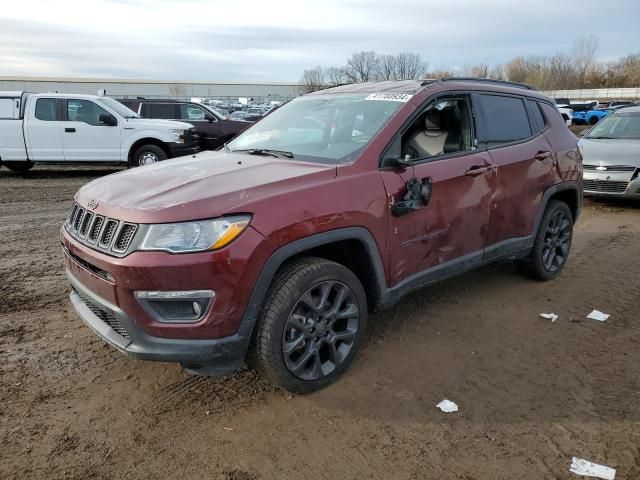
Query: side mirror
[
  {"x": 209, "y": 117},
  {"x": 107, "y": 119},
  {"x": 399, "y": 161}
]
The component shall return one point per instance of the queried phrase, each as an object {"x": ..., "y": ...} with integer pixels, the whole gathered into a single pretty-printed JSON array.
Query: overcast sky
[{"x": 261, "y": 40}]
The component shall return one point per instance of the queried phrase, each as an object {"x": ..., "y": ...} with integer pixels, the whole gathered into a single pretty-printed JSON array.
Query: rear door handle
[
  {"x": 69, "y": 130},
  {"x": 542, "y": 155},
  {"x": 477, "y": 170}
]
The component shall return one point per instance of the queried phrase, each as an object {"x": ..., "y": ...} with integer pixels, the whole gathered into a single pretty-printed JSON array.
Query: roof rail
[{"x": 487, "y": 80}]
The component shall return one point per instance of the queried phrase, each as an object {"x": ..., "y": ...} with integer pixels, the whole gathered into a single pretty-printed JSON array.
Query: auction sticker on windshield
[{"x": 389, "y": 97}]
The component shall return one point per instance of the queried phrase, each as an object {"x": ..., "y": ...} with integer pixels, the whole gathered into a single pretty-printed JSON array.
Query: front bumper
[
  {"x": 611, "y": 184},
  {"x": 182, "y": 150},
  {"x": 221, "y": 356}
]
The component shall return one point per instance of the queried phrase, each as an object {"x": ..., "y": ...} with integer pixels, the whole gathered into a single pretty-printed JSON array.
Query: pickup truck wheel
[
  {"x": 312, "y": 325},
  {"x": 593, "y": 120},
  {"x": 552, "y": 243},
  {"x": 147, "y": 155},
  {"x": 18, "y": 167}
]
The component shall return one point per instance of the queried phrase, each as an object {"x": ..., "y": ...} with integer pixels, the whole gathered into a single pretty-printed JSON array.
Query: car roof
[
  {"x": 634, "y": 109},
  {"x": 413, "y": 87}
]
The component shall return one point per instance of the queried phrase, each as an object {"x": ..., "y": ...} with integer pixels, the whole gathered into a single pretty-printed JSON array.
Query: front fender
[{"x": 135, "y": 135}]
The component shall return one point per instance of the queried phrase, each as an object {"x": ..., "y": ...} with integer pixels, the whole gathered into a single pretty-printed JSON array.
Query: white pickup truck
[{"x": 58, "y": 128}]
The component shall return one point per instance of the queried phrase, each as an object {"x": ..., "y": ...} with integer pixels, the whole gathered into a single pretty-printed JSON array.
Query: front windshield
[
  {"x": 117, "y": 107},
  {"x": 330, "y": 128},
  {"x": 620, "y": 125}
]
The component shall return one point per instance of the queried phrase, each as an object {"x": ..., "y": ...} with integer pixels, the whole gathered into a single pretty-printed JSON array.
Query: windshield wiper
[
  {"x": 265, "y": 151},
  {"x": 602, "y": 138}
]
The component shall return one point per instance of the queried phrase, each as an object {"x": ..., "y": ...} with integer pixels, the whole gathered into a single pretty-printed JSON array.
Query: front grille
[
  {"x": 103, "y": 314},
  {"x": 86, "y": 222},
  {"x": 101, "y": 233},
  {"x": 611, "y": 168},
  {"x": 108, "y": 233},
  {"x": 95, "y": 230},
  {"x": 127, "y": 231},
  {"x": 605, "y": 186}
]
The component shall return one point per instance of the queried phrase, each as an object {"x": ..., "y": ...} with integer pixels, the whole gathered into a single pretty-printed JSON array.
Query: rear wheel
[
  {"x": 552, "y": 244},
  {"x": 312, "y": 325},
  {"x": 147, "y": 155},
  {"x": 18, "y": 167},
  {"x": 593, "y": 120}
]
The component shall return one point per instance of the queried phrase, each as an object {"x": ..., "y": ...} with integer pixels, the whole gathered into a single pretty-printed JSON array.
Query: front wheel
[
  {"x": 147, "y": 155},
  {"x": 552, "y": 243},
  {"x": 593, "y": 120},
  {"x": 312, "y": 325},
  {"x": 18, "y": 167}
]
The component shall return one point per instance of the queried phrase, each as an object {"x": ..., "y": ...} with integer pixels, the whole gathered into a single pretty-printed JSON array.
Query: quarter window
[
  {"x": 536, "y": 113},
  {"x": 84, "y": 111},
  {"x": 505, "y": 119},
  {"x": 46, "y": 109}
]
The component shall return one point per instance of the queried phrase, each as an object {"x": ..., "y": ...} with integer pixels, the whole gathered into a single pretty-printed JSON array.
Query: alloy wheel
[
  {"x": 321, "y": 330},
  {"x": 556, "y": 242}
]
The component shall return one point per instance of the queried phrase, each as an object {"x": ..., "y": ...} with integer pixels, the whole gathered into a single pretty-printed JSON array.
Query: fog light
[{"x": 176, "y": 306}]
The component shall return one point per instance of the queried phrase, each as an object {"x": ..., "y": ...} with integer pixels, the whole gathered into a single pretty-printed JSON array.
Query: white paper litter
[
  {"x": 598, "y": 315},
  {"x": 447, "y": 406},
  {"x": 588, "y": 469},
  {"x": 549, "y": 316}
]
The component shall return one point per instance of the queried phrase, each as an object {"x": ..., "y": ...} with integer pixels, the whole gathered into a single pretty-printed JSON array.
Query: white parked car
[
  {"x": 567, "y": 114},
  {"x": 84, "y": 129}
]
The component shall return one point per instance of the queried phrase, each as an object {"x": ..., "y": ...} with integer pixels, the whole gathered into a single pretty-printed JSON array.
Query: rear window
[{"x": 505, "y": 119}]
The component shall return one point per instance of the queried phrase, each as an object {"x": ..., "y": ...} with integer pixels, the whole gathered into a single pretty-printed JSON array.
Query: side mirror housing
[
  {"x": 209, "y": 117},
  {"x": 107, "y": 119},
  {"x": 399, "y": 161}
]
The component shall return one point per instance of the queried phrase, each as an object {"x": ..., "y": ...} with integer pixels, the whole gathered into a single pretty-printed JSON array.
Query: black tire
[
  {"x": 593, "y": 120},
  {"x": 18, "y": 167},
  {"x": 147, "y": 155},
  {"x": 552, "y": 244},
  {"x": 319, "y": 349}
]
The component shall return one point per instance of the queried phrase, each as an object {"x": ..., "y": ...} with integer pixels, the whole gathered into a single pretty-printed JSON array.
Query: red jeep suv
[{"x": 274, "y": 249}]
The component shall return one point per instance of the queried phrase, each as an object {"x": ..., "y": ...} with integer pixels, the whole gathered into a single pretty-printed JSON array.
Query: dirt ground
[{"x": 532, "y": 393}]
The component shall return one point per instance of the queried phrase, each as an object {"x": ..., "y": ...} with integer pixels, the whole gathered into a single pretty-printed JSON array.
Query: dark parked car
[
  {"x": 213, "y": 129},
  {"x": 338, "y": 203}
]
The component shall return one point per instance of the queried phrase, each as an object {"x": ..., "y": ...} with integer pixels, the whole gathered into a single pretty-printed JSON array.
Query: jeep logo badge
[{"x": 93, "y": 204}]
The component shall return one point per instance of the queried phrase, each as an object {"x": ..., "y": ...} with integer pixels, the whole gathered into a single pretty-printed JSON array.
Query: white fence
[{"x": 596, "y": 94}]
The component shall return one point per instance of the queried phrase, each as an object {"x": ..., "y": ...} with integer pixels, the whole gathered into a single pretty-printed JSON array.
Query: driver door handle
[
  {"x": 69, "y": 130},
  {"x": 477, "y": 170},
  {"x": 542, "y": 155}
]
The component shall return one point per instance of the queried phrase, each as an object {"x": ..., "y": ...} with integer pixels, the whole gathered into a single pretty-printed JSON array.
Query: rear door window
[
  {"x": 165, "y": 111},
  {"x": 504, "y": 119},
  {"x": 47, "y": 109}
]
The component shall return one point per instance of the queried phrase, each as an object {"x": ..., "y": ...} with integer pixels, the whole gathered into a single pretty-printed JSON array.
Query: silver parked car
[{"x": 611, "y": 155}]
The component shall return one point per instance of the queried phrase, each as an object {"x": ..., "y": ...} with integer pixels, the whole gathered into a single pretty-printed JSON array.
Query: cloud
[{"x": 252, "y": 40}]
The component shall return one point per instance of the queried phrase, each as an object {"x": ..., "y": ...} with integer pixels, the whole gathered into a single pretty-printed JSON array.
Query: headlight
[
  {"x": 178, "y": 135},
  {"x": 197, "y": 236}
]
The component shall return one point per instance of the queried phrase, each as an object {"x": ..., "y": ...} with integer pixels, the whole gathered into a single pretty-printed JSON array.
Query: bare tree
[
  {"x": 386, "y": 67},
  {"x": 409, "y": 66},
  {"x": 583, "y": 53},
  {"x": 312, "y": 80},
  {"x": 362, "y": 66},
  {"x": 335, "y": 76},
  {"x": 177, "y": 90}
]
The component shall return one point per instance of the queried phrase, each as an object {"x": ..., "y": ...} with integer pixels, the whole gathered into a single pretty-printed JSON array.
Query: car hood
[
  {"x": 157, "y": 124},
  {"x": 205, "y": 185},
  {"x": 610, "y": 151}
]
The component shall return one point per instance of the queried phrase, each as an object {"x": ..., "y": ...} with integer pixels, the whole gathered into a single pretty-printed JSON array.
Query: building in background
[{"x": 275, "y": 91}]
